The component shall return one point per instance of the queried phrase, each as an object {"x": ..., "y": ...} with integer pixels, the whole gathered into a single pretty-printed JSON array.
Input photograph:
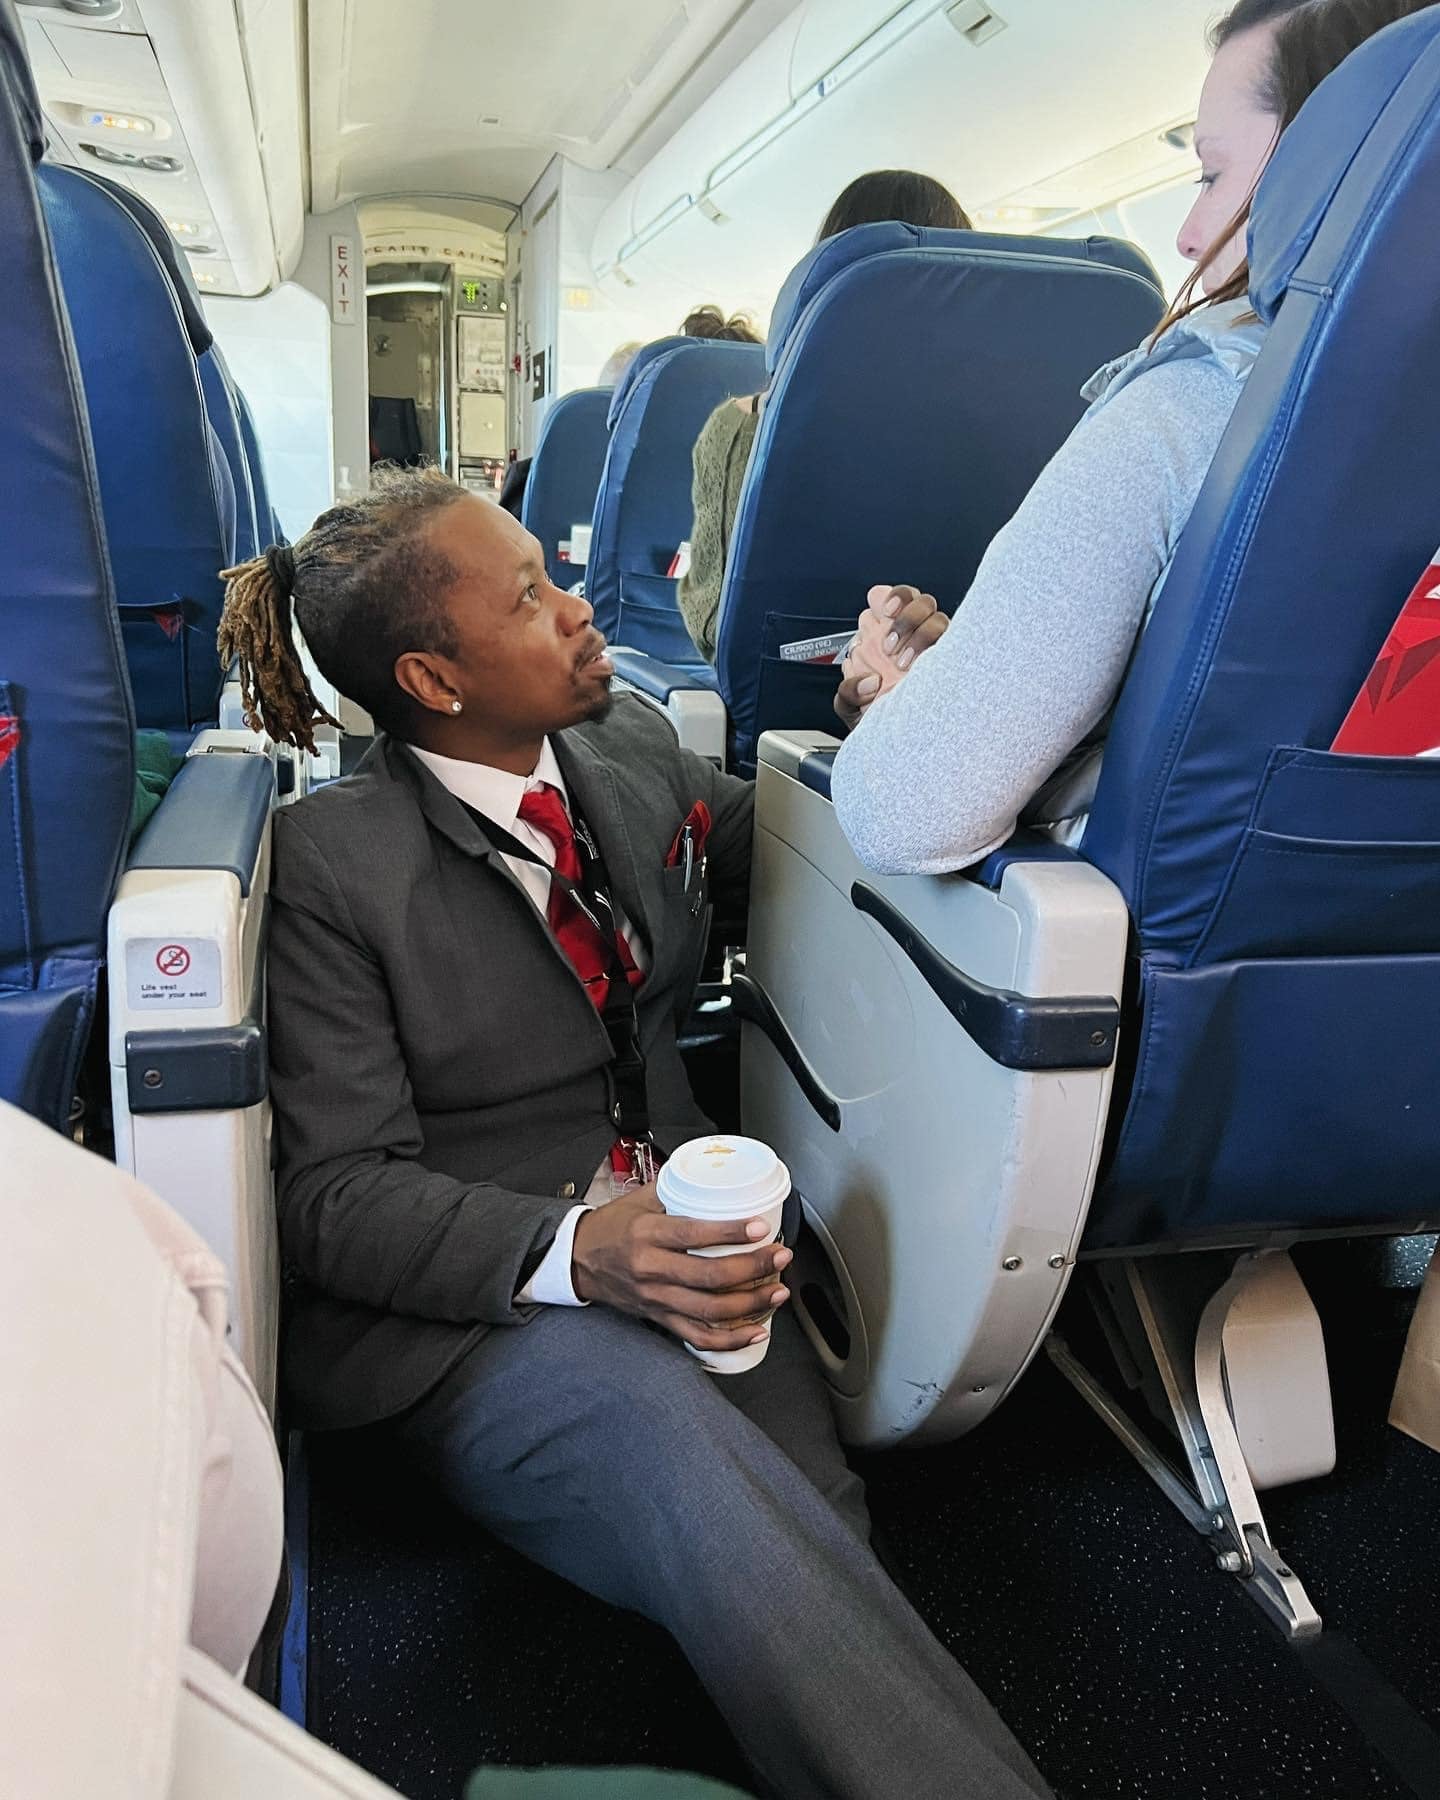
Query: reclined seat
[
  {"x": 165, "y": 483},
  {"x": 176, "y": 920},
  {"x": 565, "y": 477},
  {"x": 643, "y": 507},
  {"x": 899, "y": 467},
  {"x": 1252, "y": 921}
]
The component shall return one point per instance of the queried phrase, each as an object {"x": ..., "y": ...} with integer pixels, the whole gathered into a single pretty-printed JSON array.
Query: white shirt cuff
[{"x": 551, "y": 1284}]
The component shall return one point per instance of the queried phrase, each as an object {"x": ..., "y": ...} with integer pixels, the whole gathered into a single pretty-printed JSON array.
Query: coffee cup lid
[{"x": 730, "y": 1175}]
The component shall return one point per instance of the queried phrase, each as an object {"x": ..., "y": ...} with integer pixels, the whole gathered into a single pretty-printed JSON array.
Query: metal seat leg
[{"x": 1175, "y": 1323}]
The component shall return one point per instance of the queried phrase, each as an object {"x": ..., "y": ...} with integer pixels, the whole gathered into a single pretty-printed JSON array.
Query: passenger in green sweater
[{"x": 722, "y": 451}]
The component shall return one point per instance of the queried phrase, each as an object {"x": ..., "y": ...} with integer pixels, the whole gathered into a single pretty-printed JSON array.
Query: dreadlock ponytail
[{"x": 255, "y": 633}]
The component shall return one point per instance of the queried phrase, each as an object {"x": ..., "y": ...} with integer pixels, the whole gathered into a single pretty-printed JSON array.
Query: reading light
[{"x": 110, "y": 121}]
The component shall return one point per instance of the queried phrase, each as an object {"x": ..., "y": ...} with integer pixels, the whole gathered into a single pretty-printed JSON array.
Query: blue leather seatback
[
  {"x": 921, "y": 381},
  {"x": 636, "y": 367},
  {"x": 267, "y": 524},
  {"x": 1286, "y": 900},
  {"x": 222, "y": 397},
  {"x": 643, "y": 509},
  {"x": 565, "y": 475},
  {"x": 164, "y": 481},
  {"x": 66, "y": 729},
  {"x": 222, "y": 408}
]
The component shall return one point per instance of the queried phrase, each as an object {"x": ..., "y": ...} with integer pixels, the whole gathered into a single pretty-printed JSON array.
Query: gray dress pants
[{"x": 722, "y": 1508}]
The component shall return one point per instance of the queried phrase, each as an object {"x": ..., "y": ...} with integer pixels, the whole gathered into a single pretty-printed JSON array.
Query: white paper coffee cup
[{"x": 719, "y": 1179}]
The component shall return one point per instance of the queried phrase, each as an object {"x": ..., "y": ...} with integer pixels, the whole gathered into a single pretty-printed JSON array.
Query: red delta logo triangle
[
  {"x": 9, "y": 737},
  {"x": 1397, "y": 711}
]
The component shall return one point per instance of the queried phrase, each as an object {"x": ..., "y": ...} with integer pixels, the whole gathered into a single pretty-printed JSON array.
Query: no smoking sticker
[{"x": 170, "y": 974}]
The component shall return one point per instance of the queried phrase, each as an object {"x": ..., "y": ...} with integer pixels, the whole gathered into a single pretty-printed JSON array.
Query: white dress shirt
[{"x": 498, "y": 794}]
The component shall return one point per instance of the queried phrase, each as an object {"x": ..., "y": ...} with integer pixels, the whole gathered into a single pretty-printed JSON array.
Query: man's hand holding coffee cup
[{"x": 632, "y": 1255}]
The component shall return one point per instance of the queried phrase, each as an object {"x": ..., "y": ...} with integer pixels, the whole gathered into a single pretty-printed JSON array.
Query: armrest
[
  {"x": 927, "y": 1011},
  {"x": 805, "y": 756},
  {"x": 688, "y": 697},
  {"x": 1024, "y": 847},
  {"x": 809, "y": 758},
  {"x": 659, "y": 680},
  {"x": 213, "y": 817},
  {"x": 815, "y": 771},
  {"x": 1015, "y": 1030}
]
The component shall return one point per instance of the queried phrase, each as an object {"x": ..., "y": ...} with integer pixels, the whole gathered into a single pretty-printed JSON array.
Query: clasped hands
[{"x": 898, "y": 625}]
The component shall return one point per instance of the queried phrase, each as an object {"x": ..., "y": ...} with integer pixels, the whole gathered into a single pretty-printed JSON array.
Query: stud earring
[{"x": 455, "y": 706}]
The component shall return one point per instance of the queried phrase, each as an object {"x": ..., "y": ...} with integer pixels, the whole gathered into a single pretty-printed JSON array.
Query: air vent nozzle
[{"x": 975, "y": 20}]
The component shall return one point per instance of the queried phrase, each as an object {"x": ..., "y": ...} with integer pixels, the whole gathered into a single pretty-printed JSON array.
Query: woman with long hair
[{"x": 1004, "y": 717}]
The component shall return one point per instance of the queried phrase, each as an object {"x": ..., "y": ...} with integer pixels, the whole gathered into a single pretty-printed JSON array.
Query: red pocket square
[{"x": 697, "y": 823}]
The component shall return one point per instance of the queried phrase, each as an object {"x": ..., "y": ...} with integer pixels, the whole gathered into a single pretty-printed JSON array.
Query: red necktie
[{"x": 544, "y": 808}]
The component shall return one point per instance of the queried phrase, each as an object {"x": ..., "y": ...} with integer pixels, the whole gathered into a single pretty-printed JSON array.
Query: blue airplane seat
[
  {"x": 222, "y": 408},
  {"x": 165, "y": 482},
  {"x": 1285, "y": 899},
  {"x": 1212, "y": 1027},
  {"x": 920, "y": 380},
  {"x": 223, "y": 400},
  {"x": 267, "y": 524},
  {"x": 636, "y": 367},
  {"x": 66, "y": 728},
  {"x": 565, "y": 475},
  {"x": 643, "y": 507}
]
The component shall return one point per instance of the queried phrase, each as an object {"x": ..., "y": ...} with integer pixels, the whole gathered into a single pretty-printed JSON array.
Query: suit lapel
[
  {"x": 456, "y": 822},
  {"x": 596, "y": 797},
  {"x": 594, "y": 792}
]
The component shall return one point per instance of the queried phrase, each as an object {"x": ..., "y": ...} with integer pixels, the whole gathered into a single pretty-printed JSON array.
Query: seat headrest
[
  {"x": 17, "y": 81},
  {"x": 1381, "y": 88},
  {"x": 639, "y": 363},
  {"x": 827, "y": 259},
  {"x": 176, "y": 263}
]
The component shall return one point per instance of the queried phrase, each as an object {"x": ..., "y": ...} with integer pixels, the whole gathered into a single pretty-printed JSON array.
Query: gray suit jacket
[{"x": 438, "y": 1074}]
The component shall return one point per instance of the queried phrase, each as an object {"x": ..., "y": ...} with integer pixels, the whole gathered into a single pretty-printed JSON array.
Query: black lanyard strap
[{"x": 629, "y": 1102}]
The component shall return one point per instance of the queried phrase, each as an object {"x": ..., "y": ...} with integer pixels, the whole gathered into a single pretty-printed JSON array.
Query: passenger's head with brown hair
[
  {"x": 710, "y": 322},
  {"x": 1270, "y": 56},
  {"x": 428, "y": 606},
  {"x": 903, "y": 195}
]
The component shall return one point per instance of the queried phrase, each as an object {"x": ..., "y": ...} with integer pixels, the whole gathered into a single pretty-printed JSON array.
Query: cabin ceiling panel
[
  {"x": 455, "y": 96},
  {"x": 1062, "y": 110}
]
